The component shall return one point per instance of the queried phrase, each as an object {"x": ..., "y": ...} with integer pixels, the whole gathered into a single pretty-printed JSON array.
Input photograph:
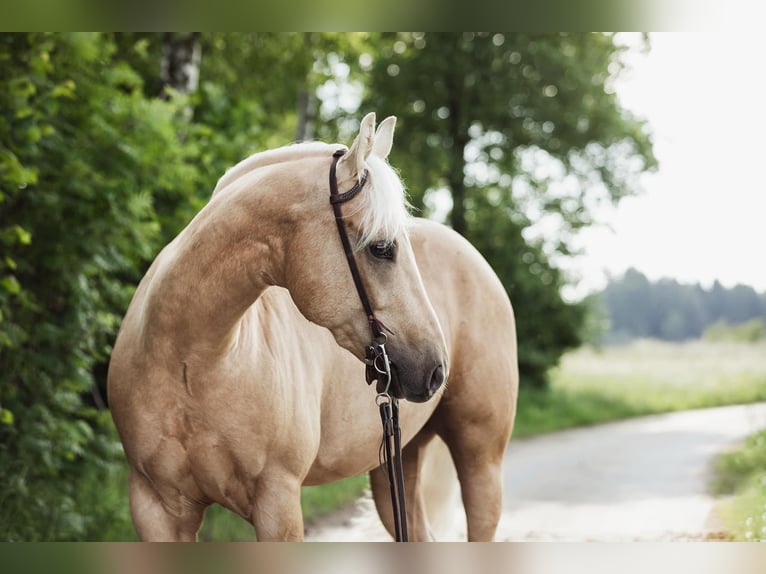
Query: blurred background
[{"x": 610, "y": 180}]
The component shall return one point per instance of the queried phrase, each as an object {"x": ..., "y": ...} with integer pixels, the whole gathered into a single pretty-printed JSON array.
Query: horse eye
[{"x": 383, "y": 250}]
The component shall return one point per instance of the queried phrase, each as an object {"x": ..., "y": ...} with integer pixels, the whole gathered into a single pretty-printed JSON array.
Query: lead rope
[
  {"x": 378, "y": 365},
  {"x": 390, "y": 452},
  {"x": 392, "y": 461}
]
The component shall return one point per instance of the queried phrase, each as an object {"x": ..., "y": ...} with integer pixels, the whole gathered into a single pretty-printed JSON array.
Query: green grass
[
  {"x": 741, "y": 474},
  {"x": 220, "y": 524},
  {"x": 320, "y": 500},
  {"x": 646, "y": 377},
  {"x": 316, "y": 501}
]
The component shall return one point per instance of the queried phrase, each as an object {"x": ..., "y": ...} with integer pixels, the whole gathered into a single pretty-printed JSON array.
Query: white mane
[{"x": 382, "y": 204}]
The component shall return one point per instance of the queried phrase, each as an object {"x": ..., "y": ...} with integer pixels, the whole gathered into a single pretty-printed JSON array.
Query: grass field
[
  {"x": 645, "y": 377},
  {"x": 590, "y": 386}
]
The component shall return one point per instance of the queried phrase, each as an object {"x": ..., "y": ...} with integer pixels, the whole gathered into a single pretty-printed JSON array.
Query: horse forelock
[{"x": 383, "y": 205}]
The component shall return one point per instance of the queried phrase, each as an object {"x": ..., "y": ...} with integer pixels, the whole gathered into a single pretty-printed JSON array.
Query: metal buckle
[{"x": 379, "y": 365}]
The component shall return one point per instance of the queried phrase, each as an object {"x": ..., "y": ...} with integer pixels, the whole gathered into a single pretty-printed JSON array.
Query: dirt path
[{"x": 640, "y": 479}]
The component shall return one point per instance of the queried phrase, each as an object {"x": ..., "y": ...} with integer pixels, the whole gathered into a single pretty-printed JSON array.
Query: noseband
[
  {"x": 376, "y": 359},
  {"x": 377, "y": 362}
]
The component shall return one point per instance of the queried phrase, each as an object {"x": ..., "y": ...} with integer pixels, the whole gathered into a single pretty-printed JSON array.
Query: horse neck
[{"x": 210, "y": 275}]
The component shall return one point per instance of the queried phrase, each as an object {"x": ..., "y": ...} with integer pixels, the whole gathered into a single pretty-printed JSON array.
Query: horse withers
[{"x": 237, "y": 375}]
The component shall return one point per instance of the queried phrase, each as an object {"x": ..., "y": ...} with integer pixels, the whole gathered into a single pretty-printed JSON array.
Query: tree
[
  {"x": 527, "y": 122},
  {"x": 628, "y": 301},
  {"x": 742, "y": 304},
  {"x": 181, "y": 55},
  {"x": 668, "y": 310},
  {"x": 83, "y": 155}
]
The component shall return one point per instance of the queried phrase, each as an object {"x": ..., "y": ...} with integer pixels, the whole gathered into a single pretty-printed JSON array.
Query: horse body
[{"x": 236, "y": 377}]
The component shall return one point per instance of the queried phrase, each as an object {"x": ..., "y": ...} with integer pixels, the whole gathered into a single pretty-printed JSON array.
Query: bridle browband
[{"x": 376, "y": 360}]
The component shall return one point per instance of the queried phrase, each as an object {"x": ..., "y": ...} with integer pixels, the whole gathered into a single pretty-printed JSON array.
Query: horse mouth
[
  {"x": 397, "y": 390},
  {"x": 395, "y": 387}
]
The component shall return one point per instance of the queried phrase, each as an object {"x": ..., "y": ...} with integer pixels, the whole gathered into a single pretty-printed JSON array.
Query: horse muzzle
[{"x": 417, "y": 385}]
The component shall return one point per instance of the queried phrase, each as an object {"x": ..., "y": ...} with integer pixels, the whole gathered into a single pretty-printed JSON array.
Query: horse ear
[
  {"x": 354, "y": 160},
  {"x": 384, "y": 137}
]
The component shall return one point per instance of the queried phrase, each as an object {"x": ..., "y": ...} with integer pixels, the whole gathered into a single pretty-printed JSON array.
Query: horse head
[{"x": 375, "y": 220}]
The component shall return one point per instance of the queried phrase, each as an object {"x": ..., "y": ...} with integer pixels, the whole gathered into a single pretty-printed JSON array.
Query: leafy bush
[{"x": 83, "y": 155}]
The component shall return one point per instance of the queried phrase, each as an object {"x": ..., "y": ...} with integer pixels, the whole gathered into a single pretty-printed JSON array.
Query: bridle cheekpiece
[{"x": 376, "y": 358}]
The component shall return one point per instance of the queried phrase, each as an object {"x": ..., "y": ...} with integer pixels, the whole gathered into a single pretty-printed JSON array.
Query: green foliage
[
  {"x": 734, "y": 469},
  {"x": 671, "y": 311},
  {"x": 83, "y": 155},
  {"x": 741, "y": 475},
  {"x": 494, "y": 97}
]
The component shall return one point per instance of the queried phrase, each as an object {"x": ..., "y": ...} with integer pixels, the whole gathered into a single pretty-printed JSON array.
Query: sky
[{"x": 702, "y": 215}]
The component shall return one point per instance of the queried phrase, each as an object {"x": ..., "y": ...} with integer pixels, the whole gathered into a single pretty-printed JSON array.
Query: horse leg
[
  {"x": 277, "y": 514},
  {"x": 418, "y": 528},
  {"x": 159, "y": 522},
  {"x": 480, "y": 474},
  {"x": 477, "y": 434}
]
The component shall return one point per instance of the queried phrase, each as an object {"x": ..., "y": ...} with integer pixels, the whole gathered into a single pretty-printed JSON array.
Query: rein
[{"x": 377, "y": 362}]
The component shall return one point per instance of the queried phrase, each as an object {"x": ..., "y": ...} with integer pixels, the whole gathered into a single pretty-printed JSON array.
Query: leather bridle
[{"x": 376, "y": 360}]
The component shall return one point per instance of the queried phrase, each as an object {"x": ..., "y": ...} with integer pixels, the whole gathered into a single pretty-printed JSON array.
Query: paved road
[{"x": 640, "y": 479}]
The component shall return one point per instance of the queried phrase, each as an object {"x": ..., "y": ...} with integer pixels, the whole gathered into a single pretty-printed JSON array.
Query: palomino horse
[{"x": 237, "y": 375}]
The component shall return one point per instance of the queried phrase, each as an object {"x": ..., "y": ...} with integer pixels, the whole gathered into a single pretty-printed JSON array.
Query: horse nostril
[{"x": 437, "y": 378}]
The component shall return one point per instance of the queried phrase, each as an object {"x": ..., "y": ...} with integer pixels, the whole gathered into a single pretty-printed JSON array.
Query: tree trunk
[
  {"x": 456, "y": 174},
  {"x": 306, "y": 99},
  {"x": 306, "y": 114},
  {"x": 181, "y": 56},
  {"x": 456, "y": 182}
]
